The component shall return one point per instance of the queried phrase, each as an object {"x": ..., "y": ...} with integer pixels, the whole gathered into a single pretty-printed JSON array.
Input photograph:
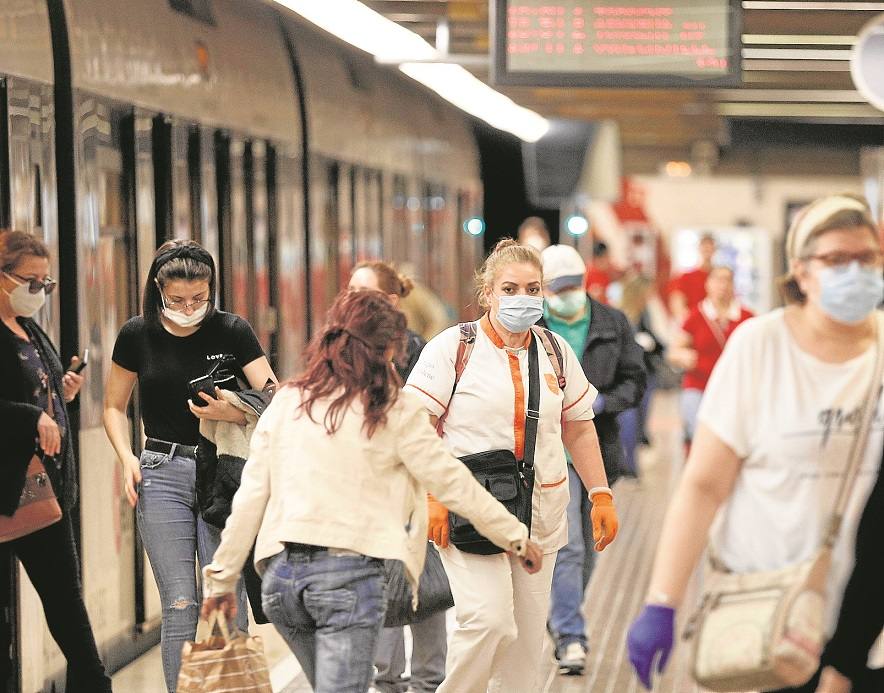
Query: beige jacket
[{"x": 347, "y": 491}]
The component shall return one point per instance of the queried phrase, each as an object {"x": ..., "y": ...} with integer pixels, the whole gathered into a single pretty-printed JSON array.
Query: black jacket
[
  {"x": 614, "y": 364},
  {"x": 862, "y": 609},
  {"x": 20, "y": 417},
  {"x": 413, "y": 348}
]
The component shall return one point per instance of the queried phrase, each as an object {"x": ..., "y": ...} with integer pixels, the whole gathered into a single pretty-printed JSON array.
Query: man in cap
[{"x": 614, "y": 364}]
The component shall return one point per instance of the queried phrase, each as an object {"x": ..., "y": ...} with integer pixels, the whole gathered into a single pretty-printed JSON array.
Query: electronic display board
[{"x": 629, "y": 43}]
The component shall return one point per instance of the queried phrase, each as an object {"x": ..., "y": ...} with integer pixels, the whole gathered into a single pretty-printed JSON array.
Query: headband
[
  {"x": 812, "y": 216},
  {"x": 191, "y": 252}
]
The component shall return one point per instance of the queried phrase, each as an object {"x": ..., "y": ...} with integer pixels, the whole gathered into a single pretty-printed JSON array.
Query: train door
[
  {"x": 348, "y": 223},
  {"x": 369, "y": 217},
  {"x": 417, "y": 229},
  {"x": 291, "y": 281},
  {"x": 397, "y": 231},
  {"x": 441, "y": 242},
  {"x": 111, "y": 165},
  {"x": 245, "y": 174},
  {"x": 27, "y": 203}
]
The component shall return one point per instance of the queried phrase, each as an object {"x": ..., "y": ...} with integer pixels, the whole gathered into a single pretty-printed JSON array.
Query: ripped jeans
[{"x": 174, "y": 536}]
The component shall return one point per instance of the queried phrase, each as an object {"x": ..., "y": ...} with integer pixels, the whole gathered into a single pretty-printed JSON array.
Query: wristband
[{"x": 600, "y": 489}]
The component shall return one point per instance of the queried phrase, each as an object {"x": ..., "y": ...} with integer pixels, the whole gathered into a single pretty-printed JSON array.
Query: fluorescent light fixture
[
  {"x": 826, "y": 5},
  {"x": 796, "y": 54},
  {"x": 387, "y": 41},
  {"x": 798, "y": 39},
  {"x": 455, "y": 84}
]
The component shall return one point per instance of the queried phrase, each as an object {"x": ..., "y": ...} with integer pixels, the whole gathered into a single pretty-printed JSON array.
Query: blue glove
[
  {"x": 651, "y": 634},
  {"x": 598, "y": 406}
]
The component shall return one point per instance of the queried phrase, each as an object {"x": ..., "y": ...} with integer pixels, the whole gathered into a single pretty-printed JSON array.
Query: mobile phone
[
  {"x": 84, "y": 361},
  {"x": 205, "y": 384}
]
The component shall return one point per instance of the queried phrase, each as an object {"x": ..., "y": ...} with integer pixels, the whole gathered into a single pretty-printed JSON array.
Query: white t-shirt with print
[
  {"x": 791, "y": 418},
  {"x": 483, "y": 412}
]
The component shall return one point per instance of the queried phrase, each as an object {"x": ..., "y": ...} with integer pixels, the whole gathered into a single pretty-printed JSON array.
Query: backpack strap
[
  {"x": 553, "y": 352},
  {"x": 467, "y": 341}
]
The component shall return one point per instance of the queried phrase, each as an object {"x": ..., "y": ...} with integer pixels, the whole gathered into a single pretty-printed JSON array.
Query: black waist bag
[{"x": 507, "y": 479}]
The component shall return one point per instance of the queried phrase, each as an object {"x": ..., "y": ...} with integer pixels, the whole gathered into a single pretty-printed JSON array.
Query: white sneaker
[{"x": 572, "y": 660}]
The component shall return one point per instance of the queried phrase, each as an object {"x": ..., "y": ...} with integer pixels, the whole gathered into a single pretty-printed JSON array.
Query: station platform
[{"x": 614, "y": 596}]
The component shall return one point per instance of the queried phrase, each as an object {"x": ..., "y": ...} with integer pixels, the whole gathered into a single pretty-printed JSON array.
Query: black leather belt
[{"x": 174, "y": 449}]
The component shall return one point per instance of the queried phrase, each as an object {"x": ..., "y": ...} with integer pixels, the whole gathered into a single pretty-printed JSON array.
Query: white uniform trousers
[{"x": 501, "y": 623}]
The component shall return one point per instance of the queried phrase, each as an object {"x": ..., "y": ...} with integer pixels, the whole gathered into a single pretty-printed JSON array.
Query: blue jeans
[
  {"x": 174, "y": 536},
  {"x": 632, "y": 427},
  {"x": 573, "y": 569},
  {"x": 329, "y": 609},
  {"x": 690, "y": 407}
]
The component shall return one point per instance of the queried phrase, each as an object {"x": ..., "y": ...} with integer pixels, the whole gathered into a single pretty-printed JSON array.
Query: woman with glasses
[
  {"x": 776, "y": 424},
  {"x": 178, "y": 337},
  {"x": 34, "y": 392}
]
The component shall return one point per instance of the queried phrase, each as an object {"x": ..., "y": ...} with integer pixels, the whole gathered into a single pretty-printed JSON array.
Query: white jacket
[{"x": 348, "y": 491}]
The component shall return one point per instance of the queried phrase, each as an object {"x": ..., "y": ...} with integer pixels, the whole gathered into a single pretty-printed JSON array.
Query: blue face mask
[
  {"x": 850, "y": 293},
  {"x": 518, "y": 313},
  {"x": 567, "y": 304}
]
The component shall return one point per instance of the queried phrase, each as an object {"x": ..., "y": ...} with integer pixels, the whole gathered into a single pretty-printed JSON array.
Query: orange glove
[
  {"x": 437, "y": 528},
  {"x": 604, "y": 520}
]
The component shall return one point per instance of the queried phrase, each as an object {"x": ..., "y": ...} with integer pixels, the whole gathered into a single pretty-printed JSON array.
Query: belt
[
  {"x": 294, "y": 547},
  {"x": 173, "y": 449}
]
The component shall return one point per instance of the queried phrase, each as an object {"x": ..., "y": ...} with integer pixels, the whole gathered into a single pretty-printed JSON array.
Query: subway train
[{"x": 289, "y": 155}]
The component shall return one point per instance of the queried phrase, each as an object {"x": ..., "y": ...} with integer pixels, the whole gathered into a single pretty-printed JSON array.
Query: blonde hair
[
  {"x": 801, "y": 239},
  {"x": 506, "y": 252},
  {"x": 635, "y": 297},
  {"x": 389, "y": 280}
]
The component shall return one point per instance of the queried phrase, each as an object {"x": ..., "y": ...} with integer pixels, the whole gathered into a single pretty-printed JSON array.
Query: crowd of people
[{"x": 492, "y": 446}]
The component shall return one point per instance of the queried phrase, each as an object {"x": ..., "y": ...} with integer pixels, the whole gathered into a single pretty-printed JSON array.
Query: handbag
[
  {"x": 434, "y": 592},
  {"x": 766, "y": 630},
  {"x": 38, "y": 505},
  {"x": 217, "y": 663},
  {"x": 509, "y": 480}
]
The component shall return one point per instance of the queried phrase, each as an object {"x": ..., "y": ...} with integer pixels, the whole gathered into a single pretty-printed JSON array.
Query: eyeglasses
[
  {"x": 867, "y": 258},
  {"x": 183, "y": 305},
  {"x": 35, "y": 285}
]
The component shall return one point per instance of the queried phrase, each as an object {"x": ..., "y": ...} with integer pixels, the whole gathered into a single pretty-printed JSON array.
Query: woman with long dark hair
[
  {"x": 179, "y": 337},
  {"x": 336, "y": 481}
]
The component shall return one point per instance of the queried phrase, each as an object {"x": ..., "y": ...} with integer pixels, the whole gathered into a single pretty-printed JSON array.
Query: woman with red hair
[{"x": 336, "y": 481}]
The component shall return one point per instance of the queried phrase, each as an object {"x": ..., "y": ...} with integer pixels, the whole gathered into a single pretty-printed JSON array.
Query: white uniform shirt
[
  {"x": 488, "y": 412},
  {"x": 791, "y": 418}
]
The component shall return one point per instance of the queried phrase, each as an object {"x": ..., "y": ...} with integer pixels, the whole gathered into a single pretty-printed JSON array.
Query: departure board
[{"x": 630, "y": 43}]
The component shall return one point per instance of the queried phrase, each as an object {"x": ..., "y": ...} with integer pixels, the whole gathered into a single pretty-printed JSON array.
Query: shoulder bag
[
  {"x": 434, "y": 591},
  {"x": 38, "y": 506},
  {"x": 509, "y": 480},
  {"x": 766, "y": 630}
]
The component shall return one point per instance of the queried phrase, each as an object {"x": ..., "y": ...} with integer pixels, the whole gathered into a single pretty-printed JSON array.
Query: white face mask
[
  {"x": 182, "y": 319},
  {"x": 22, "y": 301}
]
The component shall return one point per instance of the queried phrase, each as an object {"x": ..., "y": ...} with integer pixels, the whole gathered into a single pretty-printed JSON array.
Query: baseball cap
[{"x": 563, "y": 268}]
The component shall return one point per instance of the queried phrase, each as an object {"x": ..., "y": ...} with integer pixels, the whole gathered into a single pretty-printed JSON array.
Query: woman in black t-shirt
[{"x": 178, "y": 337}]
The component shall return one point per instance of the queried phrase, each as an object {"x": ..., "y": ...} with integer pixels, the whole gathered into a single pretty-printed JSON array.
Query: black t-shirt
[{"x": 165, "y": 364}]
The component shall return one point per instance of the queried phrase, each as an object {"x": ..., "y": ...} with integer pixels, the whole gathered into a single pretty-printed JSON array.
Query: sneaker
[{"x": 572, "y": 660}]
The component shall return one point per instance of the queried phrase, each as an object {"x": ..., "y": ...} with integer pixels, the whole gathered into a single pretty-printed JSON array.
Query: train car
[{"x": 290, "y": 158}]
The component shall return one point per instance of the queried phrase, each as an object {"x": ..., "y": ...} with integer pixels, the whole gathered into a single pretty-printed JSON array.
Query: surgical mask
[
  {"x": 518, "y": 313},
  {"x": 850, "y": 293},
  {"x": 182, "y": 319},
  {"x": 23, "y": 302},
  {"x": 567, "y": 304}
]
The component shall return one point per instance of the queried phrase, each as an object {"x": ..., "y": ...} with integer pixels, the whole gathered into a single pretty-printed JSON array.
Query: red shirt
[
  {"x": 693, "y": 285},
  {"x": 597, "y": 282},
  {"x": 708, "y": 337}
]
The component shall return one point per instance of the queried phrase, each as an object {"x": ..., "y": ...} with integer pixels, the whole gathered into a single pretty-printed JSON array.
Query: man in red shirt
[
  {"x": 688, "y": 289},
  {"x": 697, "y": 347}
]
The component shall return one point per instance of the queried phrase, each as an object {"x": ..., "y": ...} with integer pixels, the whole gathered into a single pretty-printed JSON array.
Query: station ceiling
[{"x": 796, "y": 72}]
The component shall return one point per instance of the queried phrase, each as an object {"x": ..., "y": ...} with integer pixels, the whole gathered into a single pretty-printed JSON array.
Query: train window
[
  {"x": 287, "y": 219},
  {"x": 397, "y": 245},
  {"x": 161, "y": 140},
  {"x": 323, "y": 261},
  {"x": 348, "y": 222},
  {"x": 195, "y": 183},
  {"x": 238, "y": 250},
  {"x": 201, "y": 10},
  {"x": 38, "y": 197}
]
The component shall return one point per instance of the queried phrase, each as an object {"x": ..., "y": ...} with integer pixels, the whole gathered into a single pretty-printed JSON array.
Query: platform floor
[{"x": 615, "y": 594}]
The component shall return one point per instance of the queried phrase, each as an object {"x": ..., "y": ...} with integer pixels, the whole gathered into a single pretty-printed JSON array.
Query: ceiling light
[
  {"x": 796, "y": 54},
  {"x": 798, "y": 40},
  {"x": 827, "y": 5},
  {"x": 453, "y": 83},
  {"x": 359, "y": 25}
]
